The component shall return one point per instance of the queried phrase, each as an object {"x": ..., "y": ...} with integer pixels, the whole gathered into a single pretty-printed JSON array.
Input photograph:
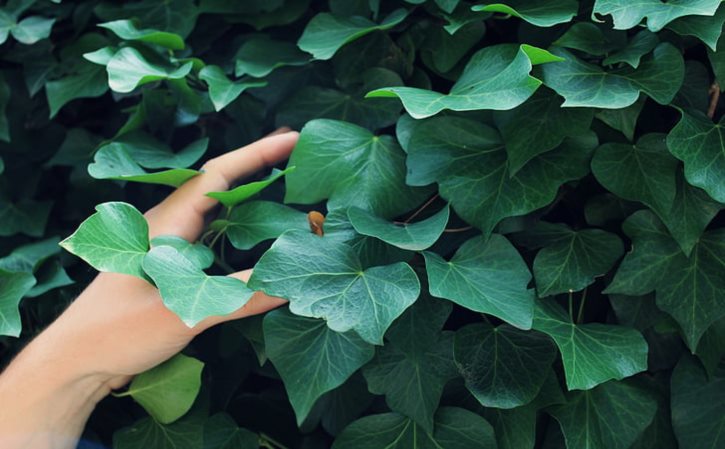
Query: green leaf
[
  {"x": 222, "y": 90},
  {"x": 642, "y": 43},
  {"x": 27, "y": 217},
  {"x": 176, "y": 276},
  {"x": 698, "y": 142},
  {"x": 187, "y": 433},
  {"x": 260, "y": 55},
  {"x": 410, "y": 236},
  {"x": 242, "y": 193},
  {"x": 350, "y": 166},
  {"x": 88, "y": 82},
  {"x": 311, "y": 358},
  {"x": 591, "y": 38},
  {"x": 415, "y": 363},
  {"x": 326, "y": 33},
  {"x": 129, "y": 69},
  {"x": 168, "y": 390},
  {"x": 198, "y": 254},
  {"x": 698, "y": 406},
  {"x": 114, "y": 239},
  {"x": 582, "y": 84},
  {"x": 454, "y": 428},
  {"x": 571, "y": 260},
  {"x": 485, "y": 276},
  {"x": 627, "y": 15},
  {"x": 592, "y": 353},
  {"x": 222, "y": 432},
  {"x": 610, "y": 416},
  {"x": 443, "y": 50},
  {"x": 547, "y": 124},
  {"x": 13, "y": 286},
  {"x": 178, "y": 16},
  {"x": 496, "y": 77},
  {"x": 257, "y": 221},
  {"x": 687, "y": 288},
  {"x": 465, "y": 156},
  {"x": 502, "y": 366},
  {"x": 540, "y": 13},
  {"x": 325, "y": 279},
  {"x": 28, "y": 258},
  {"x": 129, "y": 30},
  {"x": 32, "y": 29},
  {"x": 707, "y": 29}
]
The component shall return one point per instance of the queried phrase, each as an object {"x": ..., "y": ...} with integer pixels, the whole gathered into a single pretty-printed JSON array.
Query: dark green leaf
[
  {"x": 13, "y": 286},
  {"x": 257, "y": 221},
  {"x": 221, "y": 432},
  {"x": 128, "y": 30},
  {"x": 410, "y": 236},
  {"x": 260, "y": 55},
  {"x": 222, "y": 90}
]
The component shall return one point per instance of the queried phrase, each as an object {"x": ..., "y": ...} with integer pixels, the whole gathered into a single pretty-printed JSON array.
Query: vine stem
[
  {"x": 421, "y": 208},
  {"x": 571, "y": 311},
  {"x": 271, "y": 442},
  {"x": 714, "y": 98},
  {"x": 581, "y": 307},
  {"x": 463, "y": 229}
]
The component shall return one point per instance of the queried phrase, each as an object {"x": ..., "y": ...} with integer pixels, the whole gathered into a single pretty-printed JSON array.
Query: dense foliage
[{"x": 523, "y": 244}]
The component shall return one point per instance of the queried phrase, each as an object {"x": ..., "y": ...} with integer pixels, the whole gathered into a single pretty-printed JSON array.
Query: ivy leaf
[
  {"x": 128, "y": 69},
  {"x": 592, "y": 353},
  {"x": 88, "y": 82},
  {"x": 178, "y": 16},
  {"x": 27, "y": 217},
  {"x": 415, "y": 363},
  {"x": 129, "y": 30},
  {"x": 610, "y": 416},
  {"x": 345, "y": 295},
  {"x": 623, "y": 120},
  {"x": 187, "y": 433},
  {"x": 222, "y": 432},
  {"x": 114, "y": 239},
  {"x": 642, "y": 43},
  {"x": 222, "y": 90},
  {"x": 707, "y": 29},
  {"x": 242, "y": 193},
  {"x": 167, "y": 391},
  {"x": 687, "y": 288},
  {"x": 198, "y": 254},
  {"x": 496, "y": 77},
  {"x": 465, "y": 156},
  {"x": 502, "y": 365},
  {"x": 260, "y": 55},
  {"x": 582, "y": 84},
  {"x": 34, "y": 258},
  {"x": 698, "y": 406},
  {"x": 697, "y": 142},
  {"x": 540, "y": 13},
  {"x": 570, "y": 260},
  {"x": 176, "y": 276},
  {"x": 351, "y": 166},
  {"x": 409, "y": 236},
  {"x": 485, "y": 276},
  {"x": 311, "y": 358},
  {"x": 13, "y": 286},
  {"x": 453, "y": 428},
  {"x": 257, "y": 221},
  {"x": 627, "y": 15},
  {"x": 547, "y": 124},
  {"x": 326, "y": 33},
  {"x": 28, "y": 31}
]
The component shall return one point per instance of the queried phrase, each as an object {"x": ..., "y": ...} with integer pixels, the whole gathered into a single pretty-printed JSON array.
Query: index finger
[{"x": 182, "y": 213}]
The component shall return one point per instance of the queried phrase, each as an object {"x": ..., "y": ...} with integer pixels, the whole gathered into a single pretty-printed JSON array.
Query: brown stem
[
  {"x": 421, "y": 208},
  {"x": 714, "y": 93},
  {"x": 463, "y": 229}
]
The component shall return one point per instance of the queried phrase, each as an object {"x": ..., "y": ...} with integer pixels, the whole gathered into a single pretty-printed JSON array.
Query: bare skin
[{"x": 118, "y": 327}]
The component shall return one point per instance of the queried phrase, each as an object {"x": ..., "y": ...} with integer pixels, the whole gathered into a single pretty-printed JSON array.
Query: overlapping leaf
[{"x": 540, "y": 13}]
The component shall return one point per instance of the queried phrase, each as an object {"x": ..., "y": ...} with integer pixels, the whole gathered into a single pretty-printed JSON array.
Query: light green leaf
[
  {"x": 582, "y": 84},
  {"x": 13, "y": 286},
  {"x": 698, "y": 142},
  {"x": 496, "y": 77},
  {"x": 626, "y": 14},
  {"x": 415, "y": 363},
  {"x": 114, "y": 239},
  {"x": 325, "y": 279},
  {"x": 128, "y": 69},
  {"x": 485, "y": 276},
  {"x": 222, "y": 90},
  {"x": 187, "y": 433},
  {"x": 547, "y": 124},
  {"x": 350, "y": 166},
  {"x": 592, "y": 353},
  {"x": 707, "y": 29},
  {"x": 540, "y": 13},
  {"x": 502, "y": 366},
  {"x": 464, "y": 156},
  {"x": 311, "y": 358},
  {"x": 242, "y": 193},
  {"x": 196, "y": 253},
  {"x": 168, "y": 390},
  {"x": 222, "y": 432},
  {"x": 326, "y": 33},
  {"x": 32, "y": 29},
  {"x": 129, "y": 30},
  {"x": 454, "y": 428},
  {"x": 409, "y": 236},
  {"x": 189, "y": 292},
  {"x": 610, "y": 416},
  {"x": 687, "y": 288},
  {"x": 260, "y": 55},
  {"x": 698, "y": 406},
  {"x": 571, "y": 260},
  {"x": 257, "y": 221}
]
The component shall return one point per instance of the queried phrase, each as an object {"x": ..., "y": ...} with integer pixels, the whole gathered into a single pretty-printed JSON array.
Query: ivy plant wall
[{"x": 516, "y": 236}]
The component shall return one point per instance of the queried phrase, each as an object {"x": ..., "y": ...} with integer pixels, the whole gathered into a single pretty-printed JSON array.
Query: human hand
[{"x": 118, "y": 326}]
